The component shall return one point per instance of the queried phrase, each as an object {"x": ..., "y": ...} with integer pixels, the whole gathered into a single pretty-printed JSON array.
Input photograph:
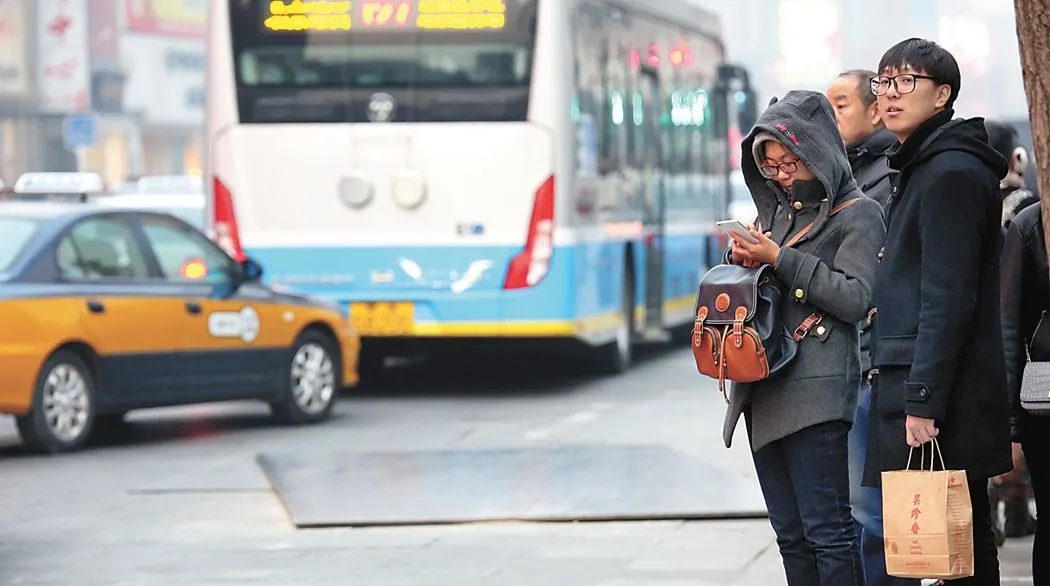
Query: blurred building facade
[
  {"x": 805, "y": 43},
  {"x": 136, "y": 67}
]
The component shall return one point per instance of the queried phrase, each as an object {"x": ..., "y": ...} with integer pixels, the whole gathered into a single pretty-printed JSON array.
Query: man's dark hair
[
  {"x": 925, "y": 57},
  {"x": 863, "y": 84}
]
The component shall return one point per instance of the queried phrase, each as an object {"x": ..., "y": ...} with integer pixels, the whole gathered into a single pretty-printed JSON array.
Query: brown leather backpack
[{"x": 738, "y": 334}]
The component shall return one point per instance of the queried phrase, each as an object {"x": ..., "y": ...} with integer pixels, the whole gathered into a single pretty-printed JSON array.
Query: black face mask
[{"x": 808, "y": 190}]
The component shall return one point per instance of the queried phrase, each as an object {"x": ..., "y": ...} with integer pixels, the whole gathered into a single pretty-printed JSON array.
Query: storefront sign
[
  {"x": 173, "y": 18},
  {"x": 165, "y": 79},
  {"x": 104, "y": 26},
  {"x": 62, "y": 55}
]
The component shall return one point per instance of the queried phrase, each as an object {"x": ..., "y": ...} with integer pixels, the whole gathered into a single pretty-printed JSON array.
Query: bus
[{"x": 479, "y": 170}]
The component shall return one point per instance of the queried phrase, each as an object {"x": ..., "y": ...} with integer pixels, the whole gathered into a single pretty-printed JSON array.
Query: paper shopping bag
[{"x": 927, "y": 520}]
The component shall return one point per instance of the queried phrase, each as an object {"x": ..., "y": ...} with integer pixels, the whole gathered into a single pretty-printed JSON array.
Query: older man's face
[{"x": 856, "y": 121}]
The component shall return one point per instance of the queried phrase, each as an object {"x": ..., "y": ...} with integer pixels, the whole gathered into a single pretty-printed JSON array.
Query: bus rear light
[
  {"x": 530, "y": 266},
  {"x": 225, "y": 222}
]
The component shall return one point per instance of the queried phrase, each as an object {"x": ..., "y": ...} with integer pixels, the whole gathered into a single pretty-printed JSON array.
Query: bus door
[{"x": 654, "y": 208}]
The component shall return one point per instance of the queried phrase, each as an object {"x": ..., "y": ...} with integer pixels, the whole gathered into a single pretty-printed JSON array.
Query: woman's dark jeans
[
  {"x": 805, "y": 482},
  {"x": 1036, "y": 446}
]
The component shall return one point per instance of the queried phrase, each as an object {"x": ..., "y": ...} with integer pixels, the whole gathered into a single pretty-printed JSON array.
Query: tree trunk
[{"x": 1033, "y": 24}]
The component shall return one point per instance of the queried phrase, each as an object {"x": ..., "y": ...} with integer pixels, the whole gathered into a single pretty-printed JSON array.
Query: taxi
[{"x": 108, "y": 310}]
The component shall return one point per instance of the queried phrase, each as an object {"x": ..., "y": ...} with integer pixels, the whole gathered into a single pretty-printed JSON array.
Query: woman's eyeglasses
[{"x": 771, "y": 171}]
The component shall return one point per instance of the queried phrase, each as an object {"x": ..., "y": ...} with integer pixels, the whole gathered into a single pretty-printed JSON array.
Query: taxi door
[
  {"x": 240, "y": 339},
  {"x": 127, "y": 317},
  {"x": 235, "y": 338}
]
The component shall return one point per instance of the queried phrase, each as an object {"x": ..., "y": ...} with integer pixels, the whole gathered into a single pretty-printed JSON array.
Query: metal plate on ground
[{"x": 564, "y": 483}]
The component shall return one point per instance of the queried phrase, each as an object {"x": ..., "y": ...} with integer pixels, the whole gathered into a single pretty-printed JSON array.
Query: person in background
[
  {"x": 794, "y": 164},
  {"x": 1010, "y": 493},
  {"x": 857, "y": 114},
  {"x": 1026, "y": 335},
  {"x": 866, "y": 138},
  {"x": 1016, "y": 196},
  {"x": 937, "y": 344}
]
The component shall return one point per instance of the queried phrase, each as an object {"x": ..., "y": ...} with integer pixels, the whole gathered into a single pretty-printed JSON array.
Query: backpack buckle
[
  {"x": 807, "y": 324},
  {"x": 698, "y": 326},
  {"x": 738, "y": 326}
]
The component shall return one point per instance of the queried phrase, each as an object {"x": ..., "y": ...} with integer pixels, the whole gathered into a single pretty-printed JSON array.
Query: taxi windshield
[{"x": 14, "y": 234}]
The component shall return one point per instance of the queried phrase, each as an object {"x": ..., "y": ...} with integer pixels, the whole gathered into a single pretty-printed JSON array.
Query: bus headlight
[
  {"x": 409, "y": 190},
  {"x": 356, "y": 190}
]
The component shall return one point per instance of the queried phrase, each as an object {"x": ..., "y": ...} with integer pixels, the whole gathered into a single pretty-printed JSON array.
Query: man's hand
[
  {"x": 919, "y": 431},
  {"x": 1014, "y": 477},
  {"x": 1020, "y": 466}
]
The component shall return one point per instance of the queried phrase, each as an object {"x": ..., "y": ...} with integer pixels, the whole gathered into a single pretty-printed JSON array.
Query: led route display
[{"x": 345, "y": 15}]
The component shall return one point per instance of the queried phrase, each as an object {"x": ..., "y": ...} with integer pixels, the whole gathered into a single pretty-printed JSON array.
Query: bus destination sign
[{"x": 346, "y": 15}]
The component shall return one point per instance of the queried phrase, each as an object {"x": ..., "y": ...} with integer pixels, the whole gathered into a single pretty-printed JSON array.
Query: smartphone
[{"x": 738, "y": 228}]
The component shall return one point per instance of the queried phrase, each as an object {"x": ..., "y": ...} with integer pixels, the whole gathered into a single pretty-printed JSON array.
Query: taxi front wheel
[
  {"x": 63, "y": 406},
  {"x": 311, "y": 380}
]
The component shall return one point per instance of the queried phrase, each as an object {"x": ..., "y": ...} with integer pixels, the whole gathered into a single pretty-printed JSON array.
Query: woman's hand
[{"x": 764, "y": 251}]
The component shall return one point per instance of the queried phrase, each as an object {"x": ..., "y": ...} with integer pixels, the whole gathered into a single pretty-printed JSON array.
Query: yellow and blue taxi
[{"x": 107, "y": 310}]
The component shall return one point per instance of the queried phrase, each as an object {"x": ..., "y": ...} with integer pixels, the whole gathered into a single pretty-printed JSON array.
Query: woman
[
  {"x": 1013, "y": 489},
  {"x": 1025, "y": 301},
  {"x": 794, "y": 163}
]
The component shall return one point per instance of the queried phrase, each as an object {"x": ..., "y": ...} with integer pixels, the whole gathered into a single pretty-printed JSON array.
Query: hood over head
[{"x": 804, "y": 122}]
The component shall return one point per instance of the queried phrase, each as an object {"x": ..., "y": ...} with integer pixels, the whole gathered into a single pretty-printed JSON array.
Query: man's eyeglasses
[
  {"x": 903, "y": 83},
  {"x": 771, "y": 171}
]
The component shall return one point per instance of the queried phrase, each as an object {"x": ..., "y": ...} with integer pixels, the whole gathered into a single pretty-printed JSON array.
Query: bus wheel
[{"x": 615, "y": 357}]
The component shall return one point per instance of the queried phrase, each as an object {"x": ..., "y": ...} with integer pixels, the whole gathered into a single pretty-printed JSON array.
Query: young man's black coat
[{"x": 937, "y": 341}]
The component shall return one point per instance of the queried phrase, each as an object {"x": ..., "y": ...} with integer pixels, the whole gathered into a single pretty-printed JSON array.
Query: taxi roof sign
[{"x": 60, "y": 184}]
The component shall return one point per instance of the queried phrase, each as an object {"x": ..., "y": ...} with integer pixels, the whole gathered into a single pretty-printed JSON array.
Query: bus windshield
[{"x": 326, "y": 61}]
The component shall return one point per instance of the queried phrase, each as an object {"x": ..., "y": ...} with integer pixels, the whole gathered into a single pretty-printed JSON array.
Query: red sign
[{"x": 172, "y": 18}]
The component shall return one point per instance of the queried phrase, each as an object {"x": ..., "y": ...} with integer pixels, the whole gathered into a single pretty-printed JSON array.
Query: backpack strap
[
  {"x": 814, "y": 319},
  {"x": 802, "y": 233}
]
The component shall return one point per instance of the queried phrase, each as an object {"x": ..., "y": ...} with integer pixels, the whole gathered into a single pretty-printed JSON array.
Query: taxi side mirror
[{"x": 251, "y": 271}]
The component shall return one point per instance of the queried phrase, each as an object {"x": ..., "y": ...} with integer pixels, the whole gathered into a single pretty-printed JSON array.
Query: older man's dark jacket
[
  {"x": 871, "y": 169},
  {"x": 870, "y": 166},
  {"x": 937, "y": 341}
]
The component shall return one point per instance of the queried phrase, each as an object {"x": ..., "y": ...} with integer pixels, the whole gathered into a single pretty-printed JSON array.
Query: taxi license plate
[{"x": 383, "y": 318}]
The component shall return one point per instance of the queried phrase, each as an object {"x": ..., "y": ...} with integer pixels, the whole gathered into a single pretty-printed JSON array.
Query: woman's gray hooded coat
[{"x": 830, "y": 270}]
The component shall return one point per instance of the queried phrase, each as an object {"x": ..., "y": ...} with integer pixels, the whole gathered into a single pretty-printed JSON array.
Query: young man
[
  {"x": 867, "y": 140},
  {"x": 937, "y": 344}
]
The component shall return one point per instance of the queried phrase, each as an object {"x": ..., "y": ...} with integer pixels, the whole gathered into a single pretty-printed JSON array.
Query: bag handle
[
  {"x": 814, "y": 318},
  {"x": 1035, "y": 333},
  {"x": 922, "y": 456}
]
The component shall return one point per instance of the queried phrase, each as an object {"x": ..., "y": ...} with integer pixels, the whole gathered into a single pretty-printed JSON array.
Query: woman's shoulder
[{"x": 859, "y": 208}]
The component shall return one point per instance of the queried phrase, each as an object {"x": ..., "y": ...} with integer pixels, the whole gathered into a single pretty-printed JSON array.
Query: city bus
[{"x": 482, "y": 170}]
